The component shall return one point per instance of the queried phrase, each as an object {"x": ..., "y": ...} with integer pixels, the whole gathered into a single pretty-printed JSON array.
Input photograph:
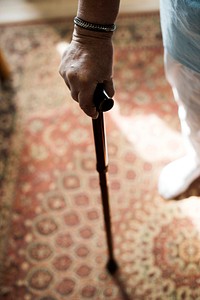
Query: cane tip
[{"x": 112, "y": 266}]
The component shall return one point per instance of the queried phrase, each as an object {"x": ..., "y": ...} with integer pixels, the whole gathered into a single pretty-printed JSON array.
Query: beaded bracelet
[{"x": 94, "y": 27}]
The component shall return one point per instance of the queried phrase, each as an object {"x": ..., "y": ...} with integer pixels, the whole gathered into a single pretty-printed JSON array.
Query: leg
[{"x": 177, "y": 176}]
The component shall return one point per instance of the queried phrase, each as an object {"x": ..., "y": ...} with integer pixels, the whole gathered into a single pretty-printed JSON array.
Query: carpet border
[{"x": 9, "y": 181}]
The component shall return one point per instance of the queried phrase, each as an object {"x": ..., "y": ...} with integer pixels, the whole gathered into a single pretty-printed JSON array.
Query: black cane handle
[{"x": 101, "y": 100}]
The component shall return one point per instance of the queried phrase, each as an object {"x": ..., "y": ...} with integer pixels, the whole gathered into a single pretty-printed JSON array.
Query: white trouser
[{"x": 185, "y": 84}]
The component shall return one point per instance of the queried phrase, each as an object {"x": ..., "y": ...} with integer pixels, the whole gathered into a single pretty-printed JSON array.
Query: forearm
[{"x": 98, "y": 11}]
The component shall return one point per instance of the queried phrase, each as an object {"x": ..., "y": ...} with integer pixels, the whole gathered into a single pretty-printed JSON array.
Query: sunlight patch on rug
[{"x": 144, "y": 130}]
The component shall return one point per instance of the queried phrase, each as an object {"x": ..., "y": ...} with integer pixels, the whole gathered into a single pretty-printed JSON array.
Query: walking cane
[{"x": 103, "y": 103}]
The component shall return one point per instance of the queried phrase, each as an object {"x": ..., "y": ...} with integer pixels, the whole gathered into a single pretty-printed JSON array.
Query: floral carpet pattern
[{"x": 53, "y": 244}]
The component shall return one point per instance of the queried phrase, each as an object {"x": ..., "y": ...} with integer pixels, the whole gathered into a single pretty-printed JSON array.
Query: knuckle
[
  {"x": 60, "y": 70},
  {"x": 71, "y": 75},
  {"x": 83, "y": 106},
  {"x": 74, "y": 96},
  {"x": 89, "y": 110},
  {"x": 86, "y": 108}
]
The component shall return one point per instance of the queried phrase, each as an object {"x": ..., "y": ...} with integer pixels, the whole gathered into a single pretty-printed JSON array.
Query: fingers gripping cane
[{"x": 103, "y": 103}]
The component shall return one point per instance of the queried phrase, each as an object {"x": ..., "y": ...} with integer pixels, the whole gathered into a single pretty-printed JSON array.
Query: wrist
[
  {"x": 84, "y": 33},
  {"x": 94, "y": 26}
]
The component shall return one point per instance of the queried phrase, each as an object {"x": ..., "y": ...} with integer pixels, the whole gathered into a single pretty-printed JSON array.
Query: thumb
[{"x": 109, "y": 87}]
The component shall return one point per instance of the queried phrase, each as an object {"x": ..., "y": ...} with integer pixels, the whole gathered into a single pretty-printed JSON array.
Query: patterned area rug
[{"x": 53, "y": 243}]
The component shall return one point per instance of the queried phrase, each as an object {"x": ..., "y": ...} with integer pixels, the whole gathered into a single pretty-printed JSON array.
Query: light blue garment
[{"x": 180, "y": 22}]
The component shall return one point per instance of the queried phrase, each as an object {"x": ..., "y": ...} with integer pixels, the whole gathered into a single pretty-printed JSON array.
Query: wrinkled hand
[{"x": 86, "y": 62}]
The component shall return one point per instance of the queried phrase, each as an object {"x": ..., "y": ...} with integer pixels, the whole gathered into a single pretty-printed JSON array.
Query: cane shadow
[
  {"x": 117, "y": 278},
  {"x": 114, "y": 270}
]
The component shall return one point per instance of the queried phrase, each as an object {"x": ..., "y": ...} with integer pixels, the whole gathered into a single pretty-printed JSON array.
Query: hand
[{"x": 86, "y": 62}]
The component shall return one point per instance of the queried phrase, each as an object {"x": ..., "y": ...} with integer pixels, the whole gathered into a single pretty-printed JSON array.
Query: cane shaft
[
  {"x": 102, "y": 166},
  {"x": 100, "y": 143},
  {"x": 103, "y": 103},
  {"x": 106, "y": 213}
]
